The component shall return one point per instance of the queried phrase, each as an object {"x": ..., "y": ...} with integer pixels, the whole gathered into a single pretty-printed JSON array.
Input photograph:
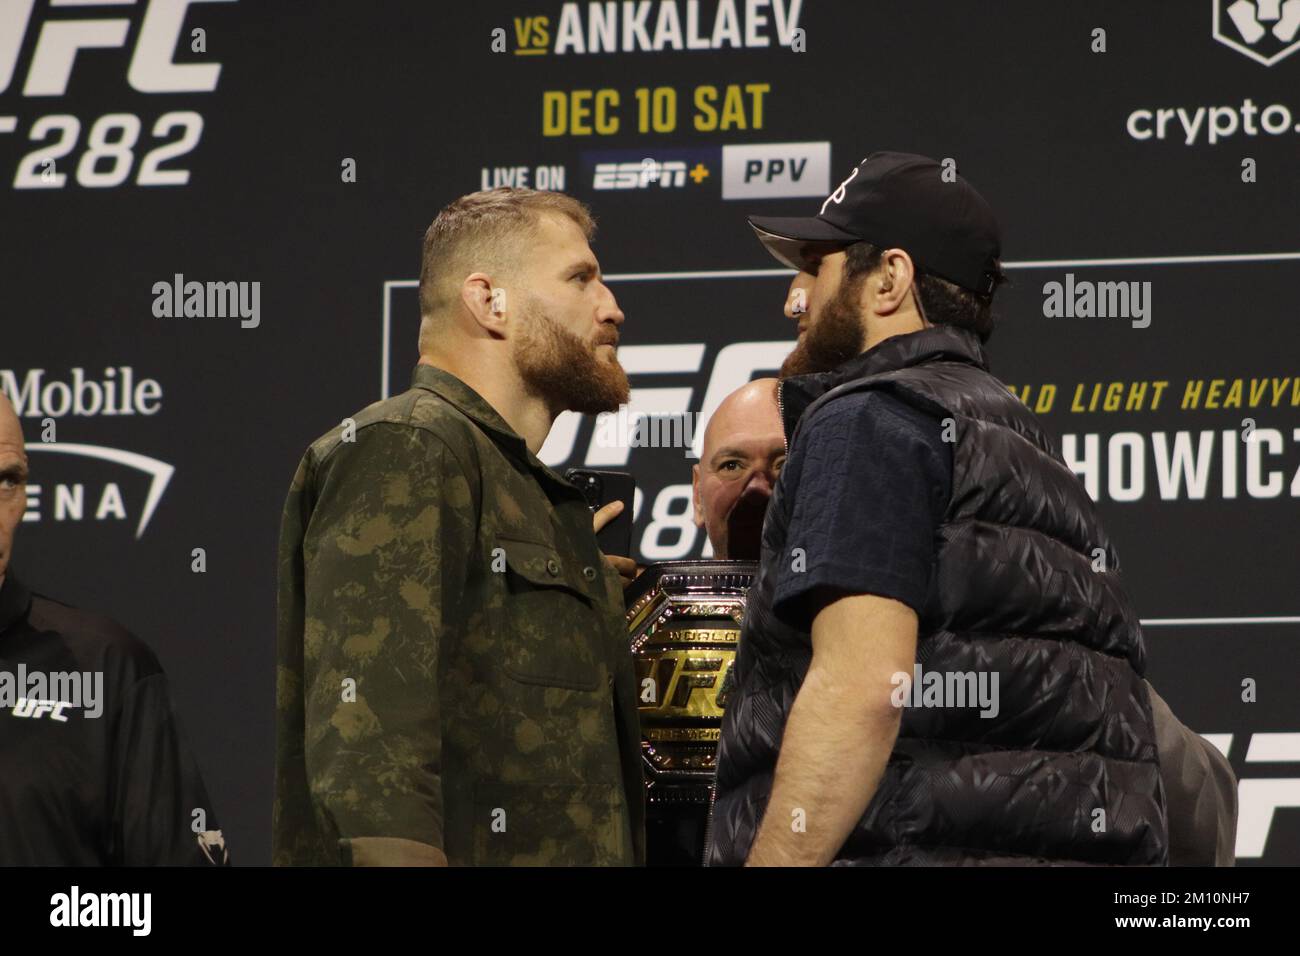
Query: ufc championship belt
[{"x": 684, "y": 621}]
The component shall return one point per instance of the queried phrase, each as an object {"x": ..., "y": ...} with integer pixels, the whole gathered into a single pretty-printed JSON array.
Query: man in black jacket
[
  {"x": 96, "y": 768},
  {"x": 939, "y": 664}
]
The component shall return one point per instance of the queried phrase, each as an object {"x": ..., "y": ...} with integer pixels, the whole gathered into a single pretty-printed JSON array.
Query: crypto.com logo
[{"x": 1265, "y": 30}]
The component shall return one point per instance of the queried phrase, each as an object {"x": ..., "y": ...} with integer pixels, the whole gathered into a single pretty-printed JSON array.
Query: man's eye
[{"x": 726, "y": 465}]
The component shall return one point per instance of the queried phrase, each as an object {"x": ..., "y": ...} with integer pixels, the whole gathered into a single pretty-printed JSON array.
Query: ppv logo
[
  {"x": 776, "y": 170},
  {"x": 1267, "y": 31}
]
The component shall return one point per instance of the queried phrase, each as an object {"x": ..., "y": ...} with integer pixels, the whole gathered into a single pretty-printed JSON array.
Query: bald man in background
[{"x": 744, "y": 449}]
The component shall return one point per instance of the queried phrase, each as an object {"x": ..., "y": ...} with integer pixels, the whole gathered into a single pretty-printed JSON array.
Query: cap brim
[{"x": 786, "y": 236}]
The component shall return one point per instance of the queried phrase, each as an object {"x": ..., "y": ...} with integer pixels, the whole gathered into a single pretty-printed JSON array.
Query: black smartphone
[{"x": 600, "y": 488}]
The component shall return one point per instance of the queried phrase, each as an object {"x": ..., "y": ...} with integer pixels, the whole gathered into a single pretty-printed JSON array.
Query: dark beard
[
  {"x": 564, "y": 371},
  {"x": 833, "y": 339}
]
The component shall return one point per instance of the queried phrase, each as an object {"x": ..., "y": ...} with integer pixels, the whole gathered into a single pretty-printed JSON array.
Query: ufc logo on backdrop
[
  {"x": 1259, "y": 798},
  {"x": 60, "y": 40},
  {"x": 123, "y": 146}
]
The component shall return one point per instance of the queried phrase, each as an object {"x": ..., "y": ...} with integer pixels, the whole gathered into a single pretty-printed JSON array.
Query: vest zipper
[
  {"x": 780, "y": 408},
  {"x": 713, "y": 787},
  {"x": 708, "y": 821}
]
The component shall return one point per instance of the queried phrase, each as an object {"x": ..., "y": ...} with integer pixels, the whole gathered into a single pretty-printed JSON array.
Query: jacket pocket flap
[{"x": 542, "y": 565}]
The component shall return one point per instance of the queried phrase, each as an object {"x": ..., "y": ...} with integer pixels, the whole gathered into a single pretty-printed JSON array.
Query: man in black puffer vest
[{"x": 939, "y": 663}]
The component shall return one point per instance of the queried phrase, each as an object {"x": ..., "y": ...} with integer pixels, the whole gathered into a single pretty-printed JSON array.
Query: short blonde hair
[{"x": 488, "y": 231}]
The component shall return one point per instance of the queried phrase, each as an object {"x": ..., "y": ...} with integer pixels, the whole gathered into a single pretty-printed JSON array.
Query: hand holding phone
[{"x": 603, "y": 488}]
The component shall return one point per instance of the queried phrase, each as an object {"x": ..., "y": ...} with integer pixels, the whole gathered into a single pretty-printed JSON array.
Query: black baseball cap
[{"x": 899, "y": 200}]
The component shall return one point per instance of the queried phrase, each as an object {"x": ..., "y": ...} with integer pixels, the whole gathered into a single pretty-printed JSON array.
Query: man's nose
[
  {"x": 609, "y": 310},
  {"x": 759, "y": 483},
  {"x": 796, "y": 301}
]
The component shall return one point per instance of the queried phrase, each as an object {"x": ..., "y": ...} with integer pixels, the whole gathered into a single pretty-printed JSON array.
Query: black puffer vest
[{"x": 1014, "y": 593}]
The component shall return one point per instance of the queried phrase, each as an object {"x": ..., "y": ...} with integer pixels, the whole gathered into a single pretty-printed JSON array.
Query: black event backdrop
[{"x": 1089, "y": 177}]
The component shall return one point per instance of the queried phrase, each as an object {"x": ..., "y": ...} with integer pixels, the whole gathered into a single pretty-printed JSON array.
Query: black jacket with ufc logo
[{"x": 96, "y": 771}]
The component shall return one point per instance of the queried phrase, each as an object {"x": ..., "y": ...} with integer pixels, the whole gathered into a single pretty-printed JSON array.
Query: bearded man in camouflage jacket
[{"x": 454, "y": 682}]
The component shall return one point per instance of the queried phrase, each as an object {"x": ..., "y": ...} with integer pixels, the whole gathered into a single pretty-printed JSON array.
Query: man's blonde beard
[{"x": 565, "y": 371}]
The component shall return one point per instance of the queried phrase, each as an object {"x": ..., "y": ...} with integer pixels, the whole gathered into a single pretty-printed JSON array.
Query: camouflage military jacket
[{"x": 454, "y": 674}]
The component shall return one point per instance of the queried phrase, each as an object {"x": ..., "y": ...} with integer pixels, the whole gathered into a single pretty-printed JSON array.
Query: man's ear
[
  {"x": 695, "y": 496},
  {"x": 891, "y": 282},
  {"x": 485, "y": 302}
]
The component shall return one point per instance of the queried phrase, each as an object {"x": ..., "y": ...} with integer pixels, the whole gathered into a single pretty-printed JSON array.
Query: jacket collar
[
  {"x": 476, "y": 408},
  {"x": 15, "y": 601},
  {"x": 938, "y": 343},
  {"x": 471, "y": 403}
]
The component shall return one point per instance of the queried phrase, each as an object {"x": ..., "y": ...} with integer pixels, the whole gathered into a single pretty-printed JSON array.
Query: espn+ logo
[
  {"x": 640, "y": 175},
  {"x": 107, "y": 157}
]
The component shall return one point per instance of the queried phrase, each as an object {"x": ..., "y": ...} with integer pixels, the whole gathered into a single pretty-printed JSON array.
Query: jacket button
[
  {"x": 553, "y": 566},
  {"x": 589, "y": 573}
]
